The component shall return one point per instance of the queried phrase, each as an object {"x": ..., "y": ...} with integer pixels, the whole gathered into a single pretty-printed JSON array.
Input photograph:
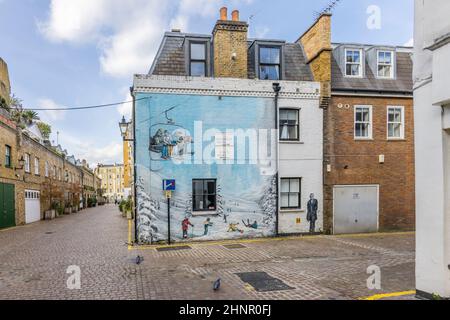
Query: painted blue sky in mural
[{"x": 72, "y": 53}]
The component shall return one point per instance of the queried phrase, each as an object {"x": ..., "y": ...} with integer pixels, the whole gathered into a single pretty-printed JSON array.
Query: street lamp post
[{"x": 124, "y": 129}]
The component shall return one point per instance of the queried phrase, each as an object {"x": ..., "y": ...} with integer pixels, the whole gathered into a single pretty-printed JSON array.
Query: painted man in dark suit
[{"x": 313, "y": 207}]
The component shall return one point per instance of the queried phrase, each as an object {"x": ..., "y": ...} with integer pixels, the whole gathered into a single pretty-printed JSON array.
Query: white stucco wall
[
  {"x": 432, "y": 80},
  {"x": 303, "y": 160}
]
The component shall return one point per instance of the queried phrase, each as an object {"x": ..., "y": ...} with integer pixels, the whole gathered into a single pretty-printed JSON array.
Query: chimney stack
[
  {"x": 230, "y": 46},
  {"x": 235, "y": 15},
  {"x": 224, "y": 14}
]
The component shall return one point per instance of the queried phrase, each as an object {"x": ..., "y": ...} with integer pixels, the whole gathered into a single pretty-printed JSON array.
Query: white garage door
[
  {"x": 32, "y": 206},
  {"x": 356, "y": 209}
]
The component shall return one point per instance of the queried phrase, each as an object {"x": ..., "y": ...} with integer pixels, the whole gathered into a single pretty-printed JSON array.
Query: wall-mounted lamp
[{"x": 21, "y": 163}]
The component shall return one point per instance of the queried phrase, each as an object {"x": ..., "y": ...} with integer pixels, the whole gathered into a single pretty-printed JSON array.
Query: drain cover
[
  {"x": 49, "y": 233},
  {"x": 235, "y": 246},
  {"x": 262, "y": 282},
  {"x": 166, "y": 249}
]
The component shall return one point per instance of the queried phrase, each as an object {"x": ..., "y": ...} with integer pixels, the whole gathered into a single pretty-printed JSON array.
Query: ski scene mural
[{"x": 225, "y": 185}]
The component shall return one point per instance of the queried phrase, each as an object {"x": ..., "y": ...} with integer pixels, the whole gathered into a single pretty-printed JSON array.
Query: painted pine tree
[
  {"x": 269, "y": 202},
  {"x": 148, "y": 231}
]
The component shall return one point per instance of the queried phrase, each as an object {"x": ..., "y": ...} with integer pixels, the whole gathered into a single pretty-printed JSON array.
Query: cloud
[
  {"x": 127, "y": 33},
  {"x": 126, "y": 109},
  {"x": 92, "y": 153},
  {"x": 410, "y": 43},
  {"x": 50, "y": 115}
]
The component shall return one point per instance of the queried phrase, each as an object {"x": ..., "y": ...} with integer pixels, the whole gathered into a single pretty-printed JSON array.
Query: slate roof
[
  {"x": 401, "y": 84},
  {"x": 171, "y": 58}
]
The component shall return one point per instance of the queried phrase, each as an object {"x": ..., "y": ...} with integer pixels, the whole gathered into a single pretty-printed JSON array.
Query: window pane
[
  {"x": 397, "y": 115},
  {"x": 366, "y": 115},
  {"x": 211, "y": 202},
  {"x": 199, "y": 203},
  {"x": 284, "y": 114},
  {"x": 269, "y": 73},
  {"x": 198, "y": 188},
  {"x": 284, "y": 185},
  {"x": 293, "y": 133},
  {"x": 353, "y": 56},
  {"x": 285, "y": 200},
  {"x": 295, "y": 185},
  {"x": 198, "y": 51},
  {"x": 356, "y": 69},
  {"x": 198, "y": 69},
  {"x": 362, "y": 130},
  {"x": 358, "y": 115},
  {"x": 293, "y": 116},
  {"x": 211, "y": 187},
  {"x": 269, "y": 55},
  {"x": 294, "y": 200}
]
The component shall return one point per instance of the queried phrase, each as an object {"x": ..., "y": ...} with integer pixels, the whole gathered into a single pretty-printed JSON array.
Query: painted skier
[
  {"x": 185, "y": 227},
  {"x": 249, "y": 225},
  {"x": 233, "y": 227},
  {"x": 207, "y": 224},
  {"x": 313, "y": 207}
]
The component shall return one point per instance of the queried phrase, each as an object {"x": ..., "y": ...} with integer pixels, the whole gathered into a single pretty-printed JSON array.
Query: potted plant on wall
[
  {"x": 51, "y": 213},
  {"x": 60, "y": 210},
  {"x": 67, "y": 208}
]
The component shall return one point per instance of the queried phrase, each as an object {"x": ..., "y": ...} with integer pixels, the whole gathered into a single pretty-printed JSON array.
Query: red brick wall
[{"x": 357, "y": 162}]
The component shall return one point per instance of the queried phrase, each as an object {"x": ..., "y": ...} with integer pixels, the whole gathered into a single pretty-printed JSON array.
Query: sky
[{"x": 71, "y": 53}]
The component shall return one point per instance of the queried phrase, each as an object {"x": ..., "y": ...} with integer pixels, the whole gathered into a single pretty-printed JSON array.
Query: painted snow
[{"x": 165, "y": 137}]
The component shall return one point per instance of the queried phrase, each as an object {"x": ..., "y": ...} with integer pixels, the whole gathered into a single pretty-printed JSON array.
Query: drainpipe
[
  {"x": 277, "y": 89},
  {"x": 134, "y": 168}
]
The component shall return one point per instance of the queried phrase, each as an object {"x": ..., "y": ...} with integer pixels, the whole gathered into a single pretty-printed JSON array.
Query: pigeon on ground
[
  {"x": 217, "y": 284},
  {"x": 139, "y": 260}
]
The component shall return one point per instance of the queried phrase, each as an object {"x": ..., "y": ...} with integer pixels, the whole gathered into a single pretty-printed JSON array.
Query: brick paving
[{"x": 34, "y": 260}]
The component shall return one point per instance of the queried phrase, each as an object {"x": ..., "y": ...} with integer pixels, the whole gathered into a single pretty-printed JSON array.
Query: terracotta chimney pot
[
  {"x": 235, "y": 15},
  {"x": 224, "y": 13}
]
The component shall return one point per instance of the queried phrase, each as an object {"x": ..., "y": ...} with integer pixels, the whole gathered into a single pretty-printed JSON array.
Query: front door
[{"x": 7, "y": 206}]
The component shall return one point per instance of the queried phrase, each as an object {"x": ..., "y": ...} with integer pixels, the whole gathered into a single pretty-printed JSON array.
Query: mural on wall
[
  {"x": 239, "y": 200},
  {"x": 312, "y": 216}
]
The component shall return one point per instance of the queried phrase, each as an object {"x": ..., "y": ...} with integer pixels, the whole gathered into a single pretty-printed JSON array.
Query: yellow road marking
[
  {"x": 130, "y": 227},
  {"x": 258, "y": 240},
  {"x": 249, "y": 287},
  {"x": 389, "y": 295}
]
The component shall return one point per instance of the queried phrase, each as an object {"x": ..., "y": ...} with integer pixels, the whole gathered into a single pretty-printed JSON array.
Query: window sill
[
  {"x": 291, "y": 142},
  {"x": 353, "y": 77},
  {"x": 364, "y": 139},
  {"x": 204, "y": 213},
  {"x": 292, "y": 211},
  {"x": 396, "y": 140}
]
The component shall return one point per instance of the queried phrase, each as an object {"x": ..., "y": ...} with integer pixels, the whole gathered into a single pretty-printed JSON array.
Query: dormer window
[
  {"x": 353, "y": 63},
  {"x": 385, "y": 64},
  {"x": 197, "y": 63},
  {"x": 269, "y": 63}
]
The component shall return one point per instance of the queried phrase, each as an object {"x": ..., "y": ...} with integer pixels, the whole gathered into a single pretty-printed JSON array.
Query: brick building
[
  {"x": 5, "y": 87},
  {"x": 35, "y": 176},
  {"x": 368, "y": 132}
]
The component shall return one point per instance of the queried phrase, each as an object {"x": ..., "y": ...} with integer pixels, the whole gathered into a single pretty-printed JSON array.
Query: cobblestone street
[{"x": 34, "y": 260}]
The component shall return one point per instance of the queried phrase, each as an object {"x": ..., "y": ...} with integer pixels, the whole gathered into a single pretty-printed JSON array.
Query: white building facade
[
  {"x": 188, "y": 130},
  {"x": 432, "y": 115}
]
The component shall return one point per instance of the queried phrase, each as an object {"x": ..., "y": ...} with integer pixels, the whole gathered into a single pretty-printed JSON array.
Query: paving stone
[{"x": 34, "y": 261}]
